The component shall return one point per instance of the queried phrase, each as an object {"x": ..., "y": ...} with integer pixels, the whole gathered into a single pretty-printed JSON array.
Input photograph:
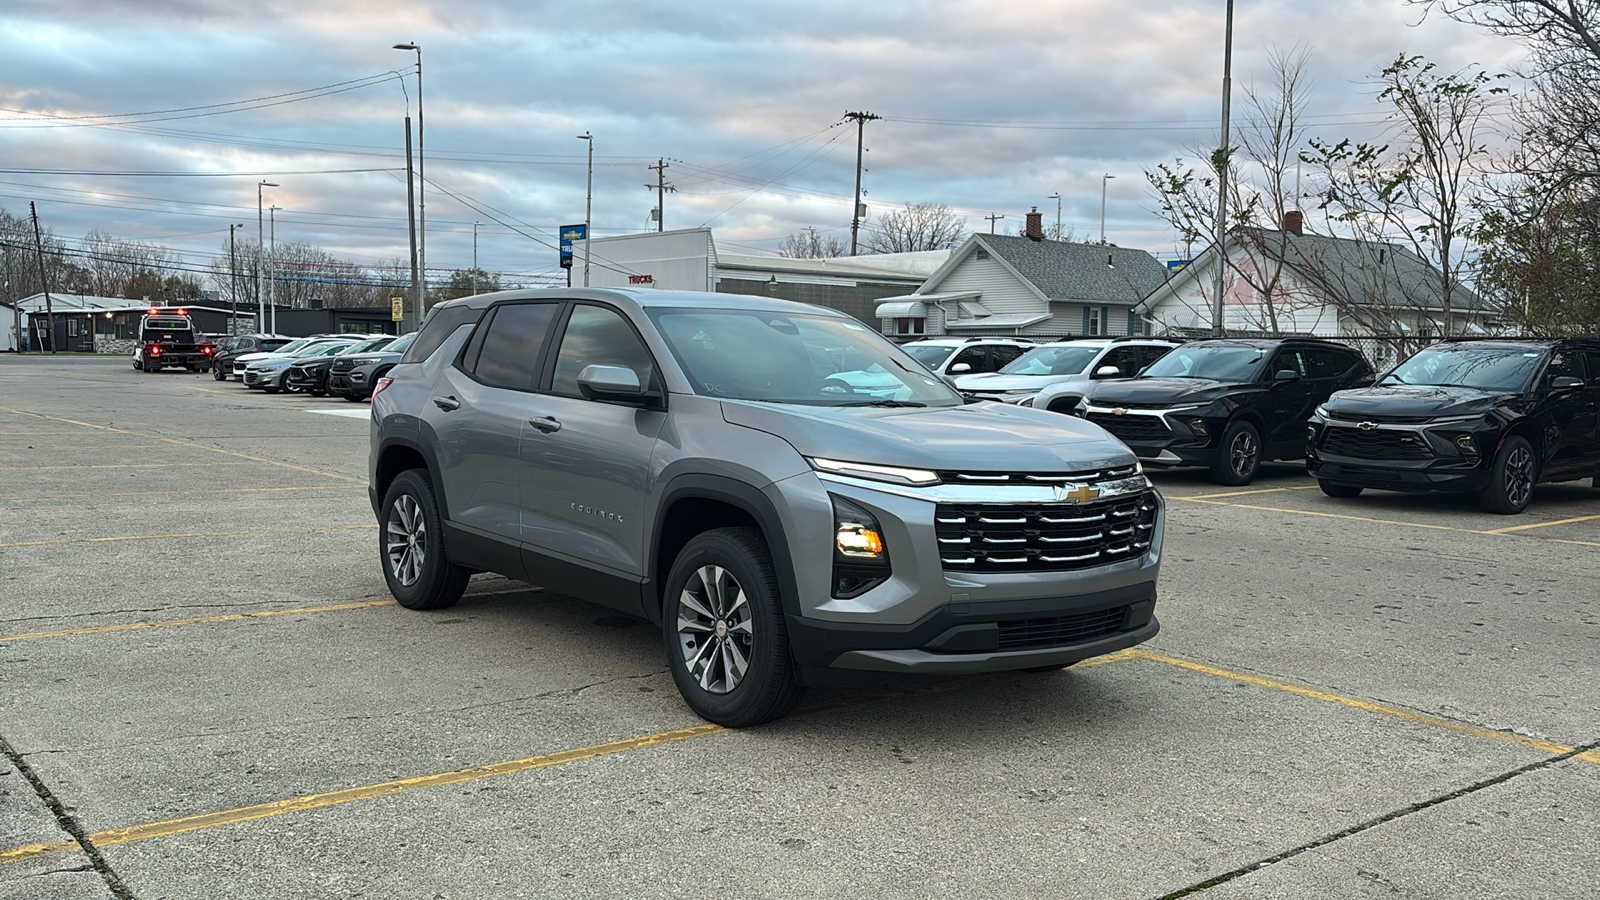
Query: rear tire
[
  {"x": 1239, "y": 454},
  {"x": 1342, "y": 491},
  {"x": 217, "y": 373},
  {"x": 1511, "y": 478},
  {"x": 354, "y": 397},
  {"x": 723, "y": 626},
  {"x": 411, "y": 546}
]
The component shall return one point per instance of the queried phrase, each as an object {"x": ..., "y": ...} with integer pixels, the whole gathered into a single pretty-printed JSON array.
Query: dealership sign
[{"x": 569, "y": 234}]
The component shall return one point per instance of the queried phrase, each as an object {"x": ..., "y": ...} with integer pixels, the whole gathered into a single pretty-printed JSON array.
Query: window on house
[
  {"x": 910, "y": 325},
  {"x": 72, "y": 327},
  {"x": 1093, "y": 325}
]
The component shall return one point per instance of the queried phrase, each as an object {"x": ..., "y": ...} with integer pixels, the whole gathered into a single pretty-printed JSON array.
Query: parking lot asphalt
[{"x": 206, "y": 691}]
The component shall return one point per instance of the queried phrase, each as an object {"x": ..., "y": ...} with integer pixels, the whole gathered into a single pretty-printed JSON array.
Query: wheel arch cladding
[
  {"x": 399, "y": 456},
  {"x": 694, "y": 504}
]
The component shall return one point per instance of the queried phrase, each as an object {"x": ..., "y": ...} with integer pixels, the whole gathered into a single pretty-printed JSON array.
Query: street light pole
[
  {"x": 272, "y": 263},
  {"x": 475, "y": 258},
  {"x": 261, "y": 307},
  {"x": 422, "y": 182},
  {"x": 1057, "y": 198},
  {"x": 1103, "y": 179},
  {"x": 1221, "y": 160},
  {"x": 233, "y": 282},
  {"x": 588, "y": 204}
]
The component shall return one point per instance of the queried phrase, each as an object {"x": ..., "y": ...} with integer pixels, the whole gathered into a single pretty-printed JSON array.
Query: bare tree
[
  {"x": 808, "y": 244},
  {"x": 920, "y": 226},
  {"x": 1261, "y": 191},
  {"x": 1423, "y": 186}
]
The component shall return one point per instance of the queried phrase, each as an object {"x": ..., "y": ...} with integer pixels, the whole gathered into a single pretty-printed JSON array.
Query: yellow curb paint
[
  {"x": 1367, "y": 705},
  {"x": 125, "y": 466},
  {"x": 1305, "y": 487},
  {"x": 192, "y": 534},
  {"x": 1309, "y": 512},
  {"x": 183, "y": 443}
]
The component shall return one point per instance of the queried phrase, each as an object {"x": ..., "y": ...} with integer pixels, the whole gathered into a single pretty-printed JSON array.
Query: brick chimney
[
  {"x": 1034, "y": 230},
  {"x": 1293, "y": 221}
]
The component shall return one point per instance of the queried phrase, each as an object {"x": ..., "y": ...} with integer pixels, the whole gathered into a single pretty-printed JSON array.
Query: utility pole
[
  {"x": 233, "y": 281},
  {"x": 1221, "y": 161},
  {"x": 411, "y": 225},
  {"x": 660, "y": 168},
  {"x": 1057, "y": 198},
  {"x": 861, "y": 118},
  {"x": 44, "y": 282},
  {"x": 992, "y": 219},
  {"x": 588, "y": 206},
  {"x": 475, "y": 258}
]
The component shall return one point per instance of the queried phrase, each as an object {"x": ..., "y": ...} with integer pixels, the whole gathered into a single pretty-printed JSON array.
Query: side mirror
[
  {"x": 611, "y": 383},
  {"x": 959, "y": 368},
  {"x": 1286, "y": 375},
  {"x": 1107, "y": 372},
  {"x": 1566, "y": 381}
]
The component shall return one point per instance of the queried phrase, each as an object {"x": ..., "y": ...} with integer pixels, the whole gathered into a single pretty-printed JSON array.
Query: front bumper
[
  {"x": 966, "y": 638},
  {"x": 1163, "y": 438},
  {"x": 257, "y": 378},
  {"x": 1413, "y": 457}
]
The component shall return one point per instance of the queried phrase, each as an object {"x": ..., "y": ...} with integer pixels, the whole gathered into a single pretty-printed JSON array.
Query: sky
[{"x": 155, "y": 120}]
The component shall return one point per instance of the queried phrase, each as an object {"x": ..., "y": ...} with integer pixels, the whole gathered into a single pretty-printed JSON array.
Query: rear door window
[
  {"x": 442, "y": 323},
  {"x": 512, "y": 344}
]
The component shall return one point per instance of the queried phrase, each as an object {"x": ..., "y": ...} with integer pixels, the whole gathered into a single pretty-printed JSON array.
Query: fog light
[
  {"x": 1197, "y": 425},
  {"x": 1467, "y": 444},
  {"x": 1311, "y": 432}
]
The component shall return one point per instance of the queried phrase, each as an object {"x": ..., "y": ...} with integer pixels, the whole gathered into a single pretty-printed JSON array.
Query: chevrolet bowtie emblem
[
  {"x": 1119, "y": 411},
  {"x": 1078, "y": 494}
]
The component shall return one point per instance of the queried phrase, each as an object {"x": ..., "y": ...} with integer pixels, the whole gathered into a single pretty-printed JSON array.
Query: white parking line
[{"x": 347, "y": 413}]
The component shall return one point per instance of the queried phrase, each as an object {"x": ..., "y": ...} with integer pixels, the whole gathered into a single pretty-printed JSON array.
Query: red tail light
[
  {"x": 155, "y": 351},
  {"x": 383, "y": 382}
]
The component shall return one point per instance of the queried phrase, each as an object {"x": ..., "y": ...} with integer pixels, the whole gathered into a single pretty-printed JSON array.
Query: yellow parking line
[
  {"x": 98, "y": 494},
  {"x": 123, "y": 466},
  {"x": 1305, "y": 487},
  {"x": 235, "y": 617},
  {"x": 1579, "y": 543},
  {"x": 348, "y": 795},
  {"x": 1367, "y": 705},
  {"x": 1542, "y": 524},
  {"x": 192, "y": 534},
  {"x": 1309, "y": 512},
  {"x": 183, "y": 443},
  {"x": 232, "y": 617}
]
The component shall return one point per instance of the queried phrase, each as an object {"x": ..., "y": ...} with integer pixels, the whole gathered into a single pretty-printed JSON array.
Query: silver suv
[
  {"x": 1055, "y": 376},
  {"x": 690, "y": 458}
]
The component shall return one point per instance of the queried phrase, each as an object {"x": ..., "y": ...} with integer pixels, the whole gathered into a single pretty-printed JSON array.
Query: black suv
[
  {"x": 1226, "y": 404},
  {"x": 1490, "y": 416}
]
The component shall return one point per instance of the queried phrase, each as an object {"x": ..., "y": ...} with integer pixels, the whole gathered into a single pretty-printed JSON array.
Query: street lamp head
[
  {"x": 267, "y": 184},
  {"x": 406, "y": 47},
  {"x": 586, "y": 136}
]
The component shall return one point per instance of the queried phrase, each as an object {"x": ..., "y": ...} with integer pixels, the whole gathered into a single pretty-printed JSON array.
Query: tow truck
[{"x": 167, "y": 337}]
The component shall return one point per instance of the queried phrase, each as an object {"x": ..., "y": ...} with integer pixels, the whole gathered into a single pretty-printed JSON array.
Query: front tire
[
  {"x": 1239, "y": 455},
  {"x": 411, "y": 546},
  {"x": 1342, "y": 491},
  {"x": 723, "y": 625},
  {"x": 1511, "y": 478},
  {"x": 217, "y": 373}
]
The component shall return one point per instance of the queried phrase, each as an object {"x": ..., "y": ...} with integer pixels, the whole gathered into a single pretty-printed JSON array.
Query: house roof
[
  {"x": 1062, "y": 270},
  {"x": 1393, "y": 276},
  {"x": 894, "y": 266}
]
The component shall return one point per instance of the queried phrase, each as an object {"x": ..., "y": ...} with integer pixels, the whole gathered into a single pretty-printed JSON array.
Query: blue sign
[
  {"x": 1177, "y": 265},
  {"x": 570, "y": 233}
]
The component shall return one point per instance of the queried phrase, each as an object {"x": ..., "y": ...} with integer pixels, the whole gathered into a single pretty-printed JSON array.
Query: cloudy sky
[{"x": 155, "y": 119}]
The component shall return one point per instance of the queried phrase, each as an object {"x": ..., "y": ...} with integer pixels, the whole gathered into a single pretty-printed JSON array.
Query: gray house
[{"x": 1027, "y": 285}]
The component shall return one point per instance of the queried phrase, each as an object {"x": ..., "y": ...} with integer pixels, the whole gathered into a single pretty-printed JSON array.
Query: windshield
[
  {"x": 1052, "y": 361},
  {"x": 289, "y": 348},
  {"x": 325, "y": 348},
  {"x": 1458, "y": 365},
  {"x": 1217, "y": 362},
  {"x": 788, "y": 358},
  {"x": 364, "y": 346},
  {"x": 401, "y": 343},
  {"x": 930, "y": 355}
]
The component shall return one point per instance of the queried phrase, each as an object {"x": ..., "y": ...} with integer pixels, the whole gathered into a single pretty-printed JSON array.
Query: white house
[
  {"x": 1027, "y": 285},
  {"x": 1290, "y": 282}
]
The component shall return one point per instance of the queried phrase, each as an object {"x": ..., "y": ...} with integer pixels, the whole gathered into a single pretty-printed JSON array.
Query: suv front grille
[
  {"x": 1044, "y": 538},
  {"x": 1062, "y": 630},
  {"x": 1087, "y": 477},
  {"x": 1132, "y": 428},
  {"x": 1382, "y": 443},
  {"x": 343, "y": 365}
]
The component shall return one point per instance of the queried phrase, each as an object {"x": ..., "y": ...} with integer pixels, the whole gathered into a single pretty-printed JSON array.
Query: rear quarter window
[{"x": 440, "y": 325}]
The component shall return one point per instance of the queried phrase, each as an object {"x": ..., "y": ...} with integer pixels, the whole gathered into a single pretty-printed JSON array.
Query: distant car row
[
  {"x": 1492, "y": 417},
  {"x": 343, "y": 365}
]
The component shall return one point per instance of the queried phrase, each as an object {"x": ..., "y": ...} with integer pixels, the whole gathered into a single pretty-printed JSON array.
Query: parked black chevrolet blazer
[
  {"x": 1492, "y": 417},
  {"x": 1226, "y": 404}
]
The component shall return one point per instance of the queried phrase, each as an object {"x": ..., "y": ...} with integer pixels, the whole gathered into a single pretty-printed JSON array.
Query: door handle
[
  {"x": 546, "y": 424},
  {"x": 447, "y": 403}
]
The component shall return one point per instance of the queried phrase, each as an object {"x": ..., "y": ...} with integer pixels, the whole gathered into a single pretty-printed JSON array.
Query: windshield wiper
[{"x": 885, "y": 403}]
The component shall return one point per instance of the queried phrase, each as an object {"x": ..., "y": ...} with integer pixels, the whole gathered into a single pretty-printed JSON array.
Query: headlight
[{"x": 890, "y": 474}]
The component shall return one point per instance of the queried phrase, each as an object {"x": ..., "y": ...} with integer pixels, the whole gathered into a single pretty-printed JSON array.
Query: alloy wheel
[
  {"x": 406, "y": 544},
  {"x": 715, "y": 629},
  {"x": 1242, "y": 453},
  {"x": 1519, "y": 475}
]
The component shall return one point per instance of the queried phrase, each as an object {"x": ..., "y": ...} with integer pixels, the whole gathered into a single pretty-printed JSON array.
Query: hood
[
  {"x": 1175, "y": 391},
  {"x": 996, "y": 382},
  {"x": 1414, "y": 401},
  {"x": 257, "y": 357},
  {"x": 975, "y": 437}
]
